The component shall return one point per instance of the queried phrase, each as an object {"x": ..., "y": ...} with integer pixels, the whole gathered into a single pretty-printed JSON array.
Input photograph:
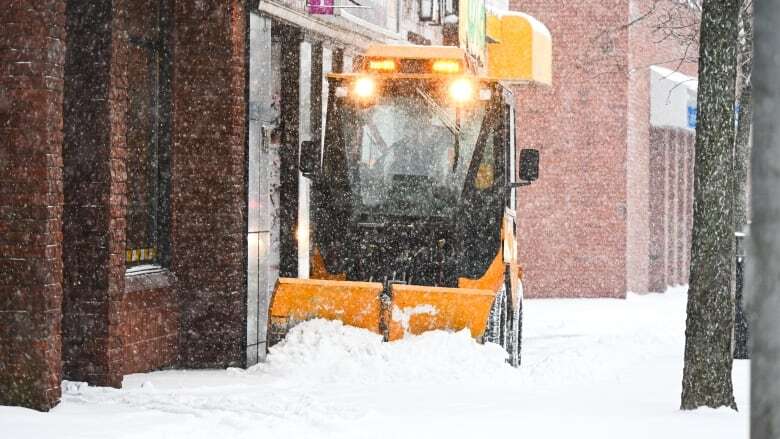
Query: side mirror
[
  {"x": 309, "y": 160},
  {"x": 529, "y": 168},
  {"x": 529, "y": 164}
]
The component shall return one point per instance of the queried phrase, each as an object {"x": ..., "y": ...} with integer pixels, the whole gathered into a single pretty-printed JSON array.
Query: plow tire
[
  {"x": 516, "y": 334},
  {"x": 515, "y": 321},
  {"x": 497, "y": 330}
]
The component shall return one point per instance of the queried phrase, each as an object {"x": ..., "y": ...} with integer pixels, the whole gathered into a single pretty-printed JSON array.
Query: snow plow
[{"x": 413, "y": 200}]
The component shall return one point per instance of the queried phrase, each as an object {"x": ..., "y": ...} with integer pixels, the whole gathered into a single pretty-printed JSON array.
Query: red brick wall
[
  {"x": 94, "y": 182},
  {"x": 110, "y": 328},
  {"x": 658, "y": 222},
  {"x": 63, "y": 127},
  {"x": 32, "y": 52},
  {"x": 650, "y": 44},
  {"x": 208, "y": 187},
  {"x": 688, "y": 209},
  {"x": 572, "y": 221},
  {"x": 671, "y": 208},
  {"x": 585, "y": 227},
  {"x": 149, "y": 324}
]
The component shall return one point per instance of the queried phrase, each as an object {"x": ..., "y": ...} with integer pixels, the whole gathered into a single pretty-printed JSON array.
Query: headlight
[
  {"x": 364, "y": 87},
  {"x": 461, "y": 90}
]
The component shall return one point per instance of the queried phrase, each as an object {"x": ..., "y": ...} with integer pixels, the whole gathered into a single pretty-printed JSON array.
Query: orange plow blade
[
  {"x": 409, "y": 309},
  {"x": 296, "y": 300},
  {"x": 416, "y": 309}
]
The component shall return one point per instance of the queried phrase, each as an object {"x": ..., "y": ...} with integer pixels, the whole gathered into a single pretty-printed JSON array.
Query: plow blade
[
  {"x": 408, "y": 309},
  {"x": 416, "y": 309},
  {"x": 297, "y": 300}
]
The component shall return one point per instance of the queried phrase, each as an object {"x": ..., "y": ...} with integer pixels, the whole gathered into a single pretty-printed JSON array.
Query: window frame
[{"x": 160, "y": 136}]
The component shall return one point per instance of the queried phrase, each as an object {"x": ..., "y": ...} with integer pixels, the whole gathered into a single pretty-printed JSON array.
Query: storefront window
[{"x": 146, "y": 143}]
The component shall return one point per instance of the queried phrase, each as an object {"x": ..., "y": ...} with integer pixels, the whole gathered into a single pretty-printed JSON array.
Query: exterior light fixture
[{"x": 426, "y": 10}]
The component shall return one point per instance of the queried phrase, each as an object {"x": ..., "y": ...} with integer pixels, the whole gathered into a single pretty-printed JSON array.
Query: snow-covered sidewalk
[{"x": 591, "y": 368}]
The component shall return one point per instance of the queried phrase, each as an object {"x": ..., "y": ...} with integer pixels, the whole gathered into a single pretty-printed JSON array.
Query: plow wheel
[
  {"x": 506, "y": 322},
  {"x": 498, "y": 329},
  {"x": 516, "y": 328}
]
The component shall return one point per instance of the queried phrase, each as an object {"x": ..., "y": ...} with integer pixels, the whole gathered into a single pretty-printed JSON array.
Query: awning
[
  {"x": 519, "y": 48},
  {"x": 350, "y": 32}
]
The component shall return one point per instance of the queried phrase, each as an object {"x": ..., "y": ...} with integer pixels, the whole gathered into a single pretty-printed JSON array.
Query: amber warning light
[
  {"x": 446, "y": 66},
  {"x": 381, "y": 65}
]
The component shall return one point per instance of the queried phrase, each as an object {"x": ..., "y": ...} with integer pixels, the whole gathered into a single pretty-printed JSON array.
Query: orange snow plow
[
  {"x": 296, "y": 300},
  {"x": 409, "y": 309},
  {"x": 413, "y": 198},
  {"x": 416, "y": 309}
]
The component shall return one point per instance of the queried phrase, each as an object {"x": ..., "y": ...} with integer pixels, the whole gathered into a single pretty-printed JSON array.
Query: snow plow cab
[{"x": 413, "y": 202}]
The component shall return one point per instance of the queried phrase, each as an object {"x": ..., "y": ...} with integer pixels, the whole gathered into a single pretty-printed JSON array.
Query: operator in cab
[{"x": 412, "y": 152}]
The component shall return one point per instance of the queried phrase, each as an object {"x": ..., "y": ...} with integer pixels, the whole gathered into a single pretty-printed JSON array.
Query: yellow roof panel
[
  {"x": 414, "y": 51},
  {"x": 521, "y": 50}
]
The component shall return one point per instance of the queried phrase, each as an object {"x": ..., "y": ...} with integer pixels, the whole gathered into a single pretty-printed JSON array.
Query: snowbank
[{"x": 322, "y": 351}]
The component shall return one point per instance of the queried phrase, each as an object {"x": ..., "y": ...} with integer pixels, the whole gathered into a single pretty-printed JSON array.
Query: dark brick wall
[
  {"x": 93, "y": 218},
  {"x": 208, "y": 186},
  {"x": 149, "y": 324},
  {"x": 110, "y": 328},
  {"x": 63, "y": 115},
  {"x": 32, "y": 53}
]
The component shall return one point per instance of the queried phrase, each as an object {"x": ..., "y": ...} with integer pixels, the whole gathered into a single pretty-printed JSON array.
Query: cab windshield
[{"x": 409, "y": 152}]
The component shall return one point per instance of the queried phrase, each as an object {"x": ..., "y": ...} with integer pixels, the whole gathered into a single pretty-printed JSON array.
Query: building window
[
  {"x": 147, "y": 139},
  {"x": 437, "y": 11}
]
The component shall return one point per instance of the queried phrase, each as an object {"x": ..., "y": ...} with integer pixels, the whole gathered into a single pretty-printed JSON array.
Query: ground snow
[
  {"x": 322, "y": 351},
  {"x": 591, "y": 368}
]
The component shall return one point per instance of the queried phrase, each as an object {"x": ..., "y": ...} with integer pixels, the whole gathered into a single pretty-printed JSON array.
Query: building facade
[
  {"x": 612, "y": 210},
  {"x": 149, "y": 188}
]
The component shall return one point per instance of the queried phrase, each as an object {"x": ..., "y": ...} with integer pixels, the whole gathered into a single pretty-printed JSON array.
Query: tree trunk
[
  {"x": 710, "y": 321},
  {"x": 741, "y": 164},
  {"x": 763, "y": 278},
  {"x": 744, "y": 121}
]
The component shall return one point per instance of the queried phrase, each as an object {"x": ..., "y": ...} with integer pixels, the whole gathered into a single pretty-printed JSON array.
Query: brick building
[
  {"x": 148, "y": 175},
  {"x": 612, "y": 210},
  {"x": 121, "y": 121}
]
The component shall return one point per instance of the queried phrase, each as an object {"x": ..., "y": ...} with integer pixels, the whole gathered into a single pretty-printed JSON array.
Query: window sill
[{"x": 147, "y": 277}]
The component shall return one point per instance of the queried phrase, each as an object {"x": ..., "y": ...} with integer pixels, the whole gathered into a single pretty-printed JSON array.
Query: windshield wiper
[
  {"x": 451, "y": 124},
  {"x": 440, "y": 112}
]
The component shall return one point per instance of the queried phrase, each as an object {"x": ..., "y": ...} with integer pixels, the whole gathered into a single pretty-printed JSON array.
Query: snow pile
[{"x": 320, "y": 351}]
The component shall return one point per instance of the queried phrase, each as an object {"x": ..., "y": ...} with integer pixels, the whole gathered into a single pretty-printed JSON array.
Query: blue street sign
[{"x": 691, "y": 117}]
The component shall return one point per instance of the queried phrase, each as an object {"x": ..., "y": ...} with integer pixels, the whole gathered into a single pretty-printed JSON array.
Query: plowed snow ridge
[{"x": 326, "y": 351}]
